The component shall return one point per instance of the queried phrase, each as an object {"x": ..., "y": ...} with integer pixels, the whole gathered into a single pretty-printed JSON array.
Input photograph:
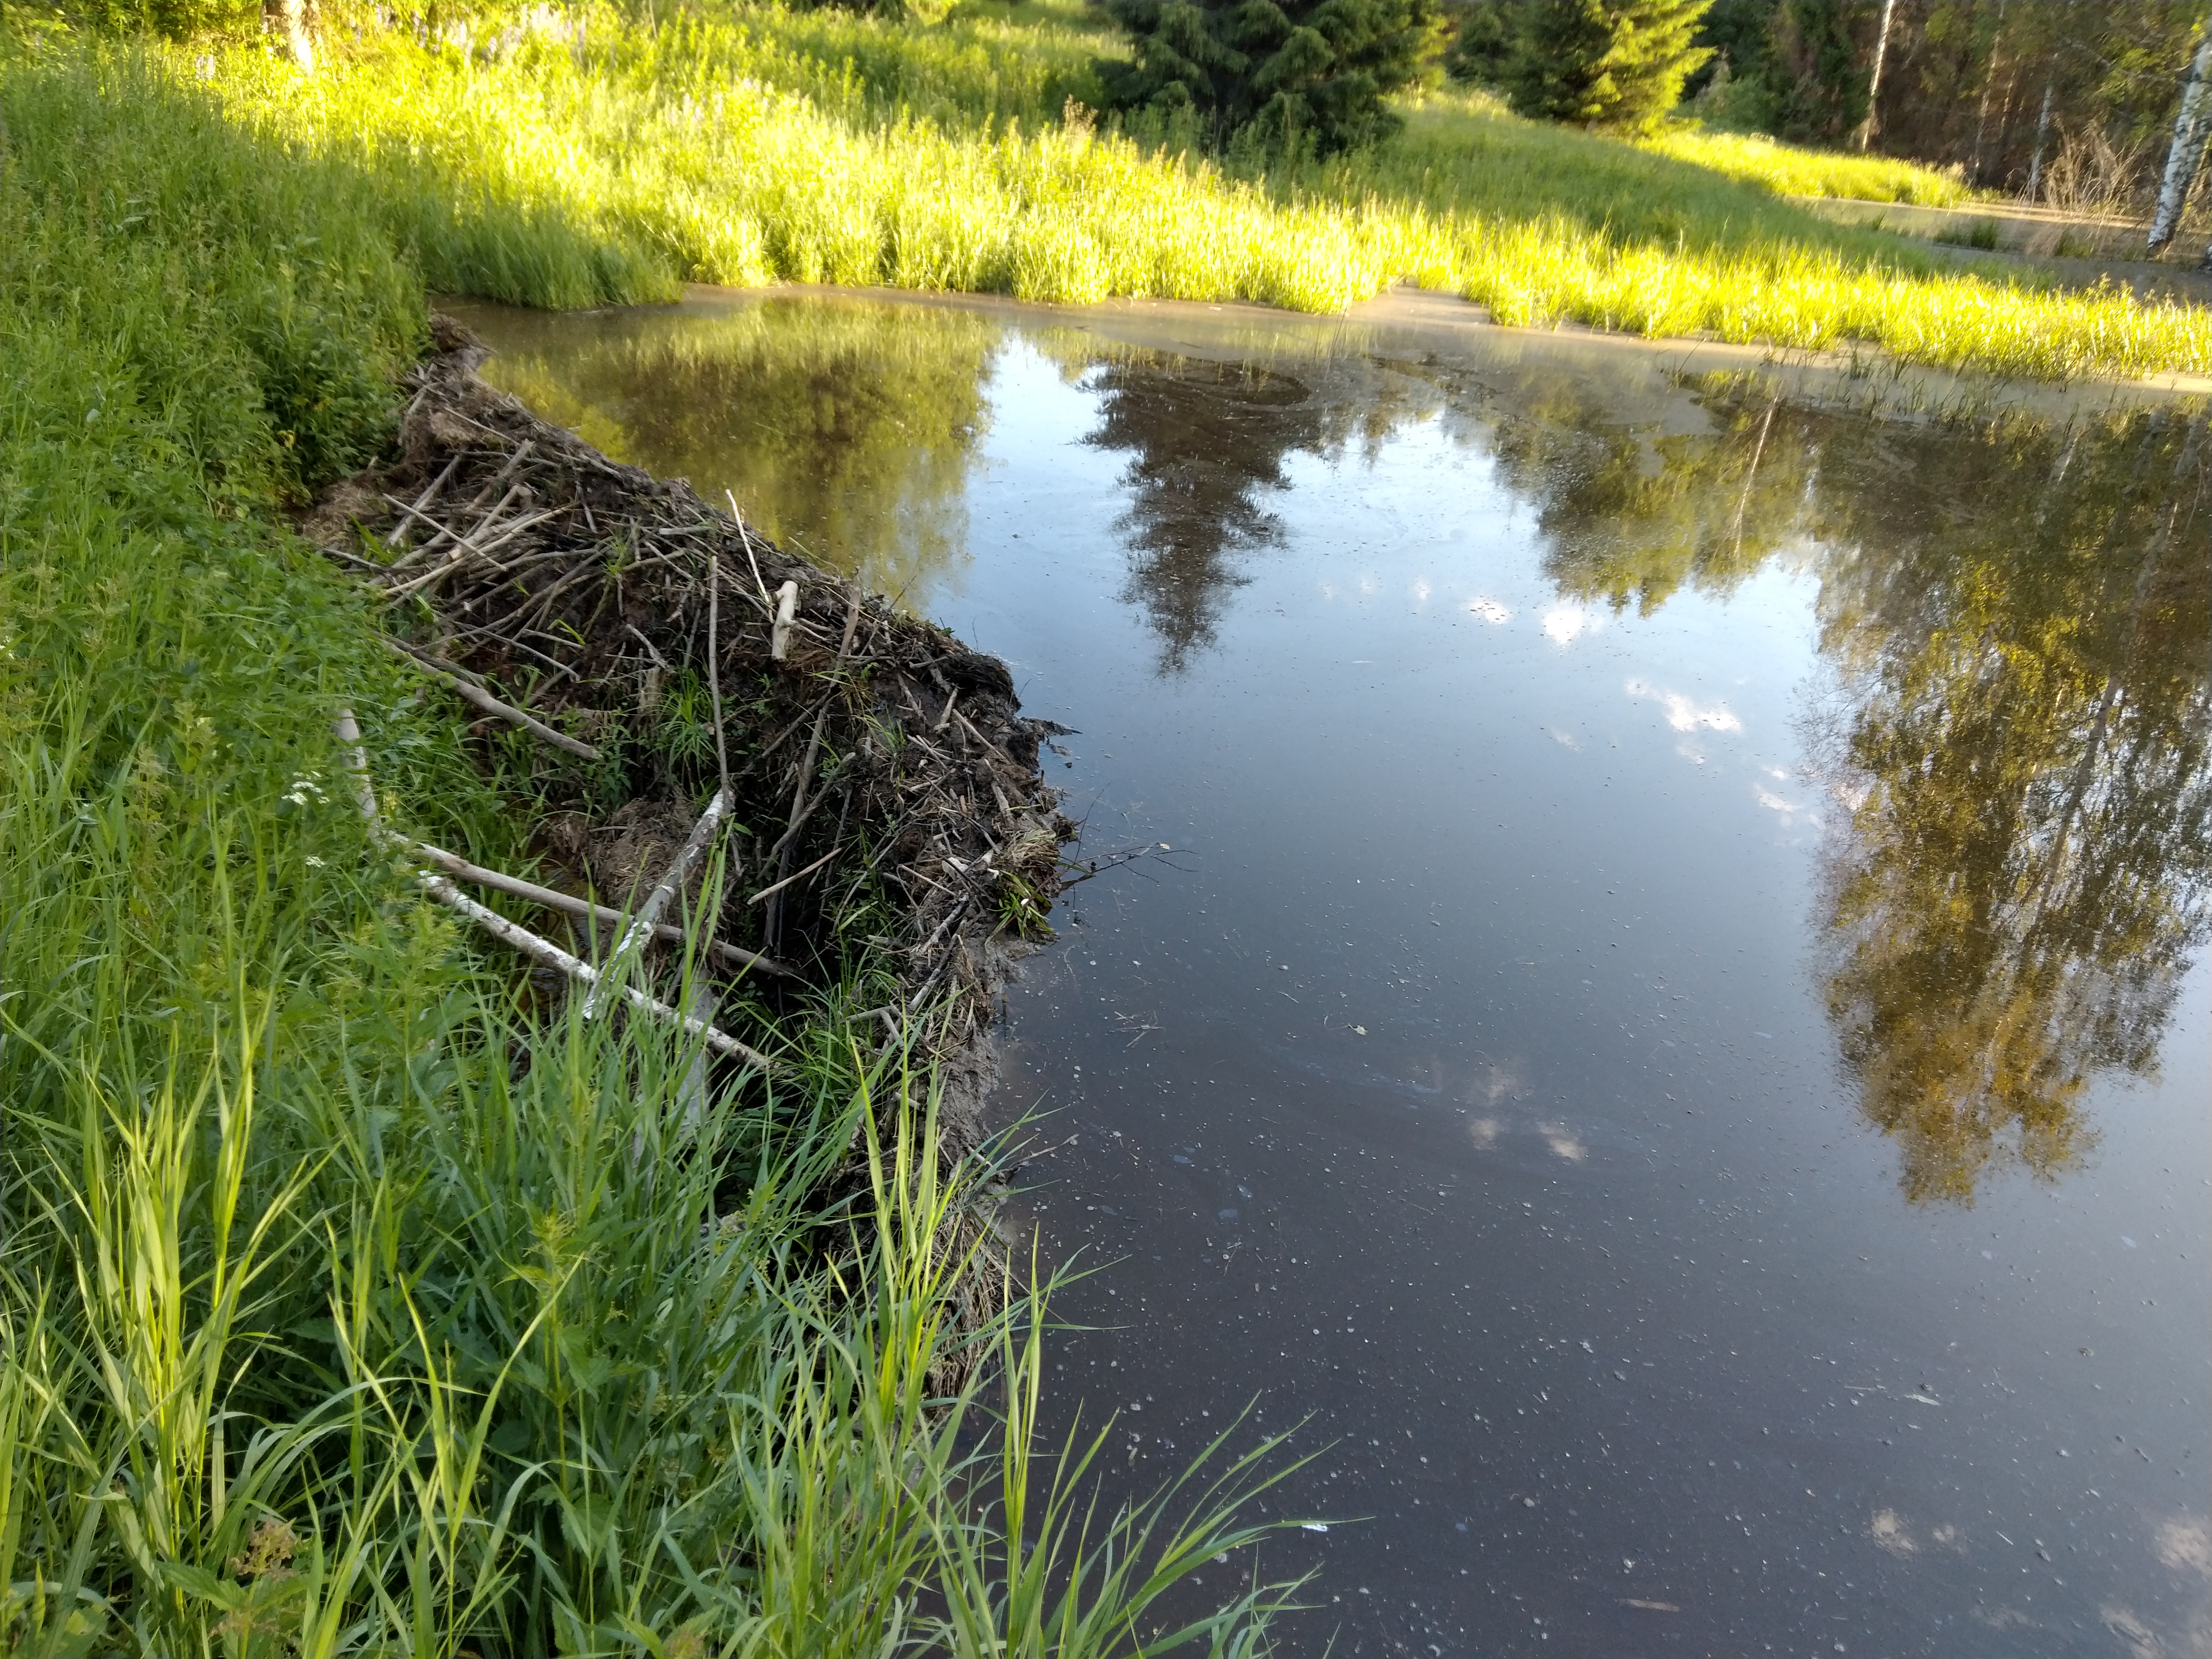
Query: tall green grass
[
  {"x": 349, "y": 1302},
  {"x": 1792, "y": 171},
  {"x": 571, "y": 170}
]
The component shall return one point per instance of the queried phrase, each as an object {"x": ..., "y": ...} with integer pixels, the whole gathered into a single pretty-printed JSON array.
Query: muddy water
[{"x": 1664, "y": 1021}]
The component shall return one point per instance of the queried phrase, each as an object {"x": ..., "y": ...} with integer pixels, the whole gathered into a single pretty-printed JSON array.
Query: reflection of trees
[
  {"x": 2026, "y": 872},
  {"x": 2019, "y": 616},
  {"x": 1629, "y": 514},
  {"x": 1206, "y": 439},
  {"x": 847, "y": 426}
]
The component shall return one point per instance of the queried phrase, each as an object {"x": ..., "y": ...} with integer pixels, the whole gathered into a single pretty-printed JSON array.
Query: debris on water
[
  {"x": 1244, "y": 1192},
  {"x": 1648, "y": 1607},
  {"x": 1315, "y": 1525},
  {"x": 1528, "y": 1503},
  {"x": 1360, "y": 1029}
]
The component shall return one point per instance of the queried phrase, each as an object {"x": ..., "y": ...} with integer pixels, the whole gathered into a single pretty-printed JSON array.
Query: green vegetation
[
  {"x": 1299, "y": 77},
  {"x": 1613, "y": 64},
  {"x": 1788, "y": 170},
  {"x": 607, "y": 169},
  {"x": 325, "y": 1325}
]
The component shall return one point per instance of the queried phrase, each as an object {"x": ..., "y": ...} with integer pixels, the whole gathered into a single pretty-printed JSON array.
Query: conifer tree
[
  {"x": 1291, "y": 75},
  {"x": 1617, "y": 63}
]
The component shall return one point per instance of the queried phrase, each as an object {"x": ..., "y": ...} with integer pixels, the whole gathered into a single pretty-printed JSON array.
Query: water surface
[{"x": 1664, "y": 1019}]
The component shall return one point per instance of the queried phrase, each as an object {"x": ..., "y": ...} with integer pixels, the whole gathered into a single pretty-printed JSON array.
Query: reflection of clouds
[
  {"x": 1564, "y": 740},
  {"x": 1889, "y": 1532},
  {"x": 1484, "y": 1132},
  {"x": 1421, "y": 590},
  {"x": 1495, "y": 1082},
  {"x": 1791, "y": 812},
  {"x": 2185, "y": 1546},
  {"x": 1489, "y": 609},
  {"x": 1563, "y": 623},
  {"x": 1563, "y": 1144},
  {"x": 1691, "y": 752},
  {"x": 1685, "y": 715}
]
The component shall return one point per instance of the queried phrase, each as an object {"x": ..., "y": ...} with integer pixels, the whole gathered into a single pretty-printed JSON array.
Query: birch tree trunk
[
  {"x": 1982, "y": 110},
  {"x": 2042, "y": 127},
  {"x": 2190, "y": 122},
  {"x": 1874, "y": 82},
  {"x": 290, "y": 19}
]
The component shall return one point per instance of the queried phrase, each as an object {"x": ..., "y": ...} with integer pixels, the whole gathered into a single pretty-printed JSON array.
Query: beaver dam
[{"x": 875, "y": 837}]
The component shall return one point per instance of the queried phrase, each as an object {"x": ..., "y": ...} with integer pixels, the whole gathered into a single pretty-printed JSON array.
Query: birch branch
[
  {"x": 648, "y": 913},
  {"x": 584, "y": 909},
  {"x": 491, "y": 705}
]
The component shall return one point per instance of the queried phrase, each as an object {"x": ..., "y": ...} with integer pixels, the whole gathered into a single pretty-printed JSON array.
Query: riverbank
[
  {"x": 608, "y": 162},
  {"x": 362, "y": 1292}
]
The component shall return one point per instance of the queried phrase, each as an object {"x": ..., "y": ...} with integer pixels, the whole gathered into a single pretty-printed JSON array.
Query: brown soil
[{"x": 878, "y": 747}]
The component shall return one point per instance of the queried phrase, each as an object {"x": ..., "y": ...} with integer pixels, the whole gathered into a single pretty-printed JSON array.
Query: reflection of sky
[
  {"x": 1470, "y": 1028},
  {"x": 1543, "y": 872}
]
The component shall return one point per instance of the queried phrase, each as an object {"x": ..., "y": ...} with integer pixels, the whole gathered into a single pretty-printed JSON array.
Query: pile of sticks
[{"x": 655, "y": 651}]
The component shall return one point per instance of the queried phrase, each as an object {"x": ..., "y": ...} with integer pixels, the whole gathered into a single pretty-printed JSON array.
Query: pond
[{"x": 1652, "y": 1004}]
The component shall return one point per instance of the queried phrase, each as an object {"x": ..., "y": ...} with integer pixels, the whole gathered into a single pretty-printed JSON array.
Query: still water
[{"x": 1664, "y": 1020}]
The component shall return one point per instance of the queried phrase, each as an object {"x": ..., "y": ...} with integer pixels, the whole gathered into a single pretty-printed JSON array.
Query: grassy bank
[
  {"x": 609, "y": 161},
  {"x": 351, "y": 1302},
  {"x": 1788, "y": 171}
]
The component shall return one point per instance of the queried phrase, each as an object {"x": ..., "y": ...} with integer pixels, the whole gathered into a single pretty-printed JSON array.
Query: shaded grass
[
  {"x": 349, "y": 1300},
  {"x": 608, "y": 169}
]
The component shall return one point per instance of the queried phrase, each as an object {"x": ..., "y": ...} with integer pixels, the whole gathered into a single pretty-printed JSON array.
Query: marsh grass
[
  {"x": 735, "y": 147},
  {"x": 354, "y": 1299},
  {"x": 1790, "y": 170}
]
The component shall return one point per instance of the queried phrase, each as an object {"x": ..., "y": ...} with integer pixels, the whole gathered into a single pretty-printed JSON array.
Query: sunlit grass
[
  {"x": 610, "y": 171},
  {"x": 1791, "y": 171}
]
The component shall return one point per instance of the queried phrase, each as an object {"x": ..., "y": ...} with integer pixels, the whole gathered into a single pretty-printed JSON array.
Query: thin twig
[
  {"x": 641, "y": 925},
  {"x": 491, "y": 705},
  {"x": 797, "y": 875},
  {"x": 424, "y": 499},
  {"x": 714, "y": 670},
  {"x": 584, "y": 909}
]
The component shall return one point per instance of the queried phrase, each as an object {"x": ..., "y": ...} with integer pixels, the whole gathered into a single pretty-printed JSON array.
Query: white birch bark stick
[
  {"x": 648, "y": 913},
  {"x": 552, "y": 956},
  {"x": 2181, "y": 160}
]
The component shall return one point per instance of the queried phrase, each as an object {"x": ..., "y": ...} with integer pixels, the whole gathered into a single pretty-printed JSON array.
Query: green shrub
[
  {"x": 1612, "y": 63},
  {"x": 1281, "y": 77}
]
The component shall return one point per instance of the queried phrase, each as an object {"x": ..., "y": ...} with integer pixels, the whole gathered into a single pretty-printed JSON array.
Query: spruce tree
[
  {"x": 1615, "y": 64},
  {"x": 1288, "y": 75}
]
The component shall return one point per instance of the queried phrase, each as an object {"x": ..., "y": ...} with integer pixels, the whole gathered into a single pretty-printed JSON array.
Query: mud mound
[{"x": 613, "y": 615}]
